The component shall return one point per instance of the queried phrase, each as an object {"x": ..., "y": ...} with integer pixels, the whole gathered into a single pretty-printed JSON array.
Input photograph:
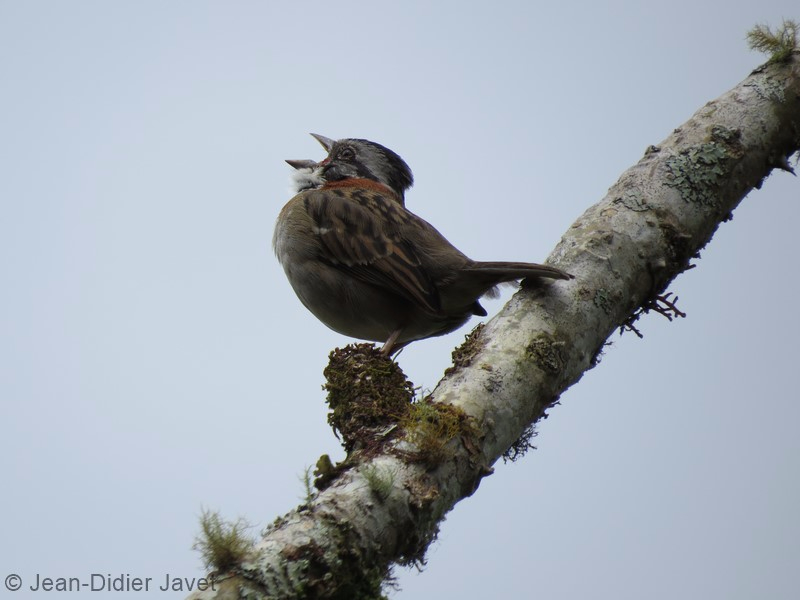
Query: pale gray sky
[{"x": 154, "y": 360}]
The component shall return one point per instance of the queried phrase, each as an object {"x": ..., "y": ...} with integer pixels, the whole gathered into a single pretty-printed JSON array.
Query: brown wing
[{"x": 361, "y": 232}]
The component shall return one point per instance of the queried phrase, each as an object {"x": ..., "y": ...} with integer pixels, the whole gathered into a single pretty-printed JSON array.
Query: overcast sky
[{"x": 155, "y": 361}]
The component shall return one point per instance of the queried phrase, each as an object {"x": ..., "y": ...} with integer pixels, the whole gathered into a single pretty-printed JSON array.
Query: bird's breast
[{"x": 293, "y": 228}]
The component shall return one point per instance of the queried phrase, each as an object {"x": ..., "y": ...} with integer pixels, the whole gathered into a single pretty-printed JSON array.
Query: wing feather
[{"x": 361, "y": 232}]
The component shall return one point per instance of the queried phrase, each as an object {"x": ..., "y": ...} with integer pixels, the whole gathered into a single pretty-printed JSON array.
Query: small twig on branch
[{"x": 660, "y": 304}]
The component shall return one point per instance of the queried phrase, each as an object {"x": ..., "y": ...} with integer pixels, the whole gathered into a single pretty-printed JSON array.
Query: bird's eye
[{"x": 347, "y": 154}]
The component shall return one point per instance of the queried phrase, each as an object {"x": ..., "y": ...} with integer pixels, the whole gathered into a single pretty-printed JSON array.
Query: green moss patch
[{"x": 367, "y": 394}]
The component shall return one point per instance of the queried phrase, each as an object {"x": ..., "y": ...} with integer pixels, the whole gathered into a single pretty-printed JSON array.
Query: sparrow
[{"x": 365, "y": 265}]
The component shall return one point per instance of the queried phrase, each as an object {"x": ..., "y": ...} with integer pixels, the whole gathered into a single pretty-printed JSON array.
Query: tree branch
[{"x": 382, "y": 507}]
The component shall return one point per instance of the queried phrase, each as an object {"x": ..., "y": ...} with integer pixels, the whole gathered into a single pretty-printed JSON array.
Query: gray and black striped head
[{"x": 356, "y": 158}]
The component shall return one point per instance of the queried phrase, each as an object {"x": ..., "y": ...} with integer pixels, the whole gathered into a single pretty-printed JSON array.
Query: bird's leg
[{"x": 389, "y": 345}]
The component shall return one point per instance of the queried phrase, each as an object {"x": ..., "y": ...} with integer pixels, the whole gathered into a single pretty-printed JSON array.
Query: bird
[{"x": 365, "y": 265}]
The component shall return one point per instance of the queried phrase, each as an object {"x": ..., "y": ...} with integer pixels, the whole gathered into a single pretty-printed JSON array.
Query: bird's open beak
[
  {"x": 327, "y": 143},
  {"x": 302, "y": 164}
]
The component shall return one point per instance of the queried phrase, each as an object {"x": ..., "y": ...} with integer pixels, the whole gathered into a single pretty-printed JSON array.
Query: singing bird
[{"x": 365, "y": 265}]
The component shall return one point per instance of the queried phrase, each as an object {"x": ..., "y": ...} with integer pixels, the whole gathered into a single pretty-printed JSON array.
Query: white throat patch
[{"x": 306, "y": 178}]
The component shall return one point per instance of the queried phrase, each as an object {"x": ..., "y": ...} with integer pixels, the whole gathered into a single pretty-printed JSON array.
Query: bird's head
[{"x": 356, "y": 158}]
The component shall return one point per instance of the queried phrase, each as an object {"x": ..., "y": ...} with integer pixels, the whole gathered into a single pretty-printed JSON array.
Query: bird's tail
[{"x": 510, "y": 271}]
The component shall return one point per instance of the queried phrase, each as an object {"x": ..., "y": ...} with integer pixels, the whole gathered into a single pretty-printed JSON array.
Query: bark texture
[{"x": 624, "y": 252}]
